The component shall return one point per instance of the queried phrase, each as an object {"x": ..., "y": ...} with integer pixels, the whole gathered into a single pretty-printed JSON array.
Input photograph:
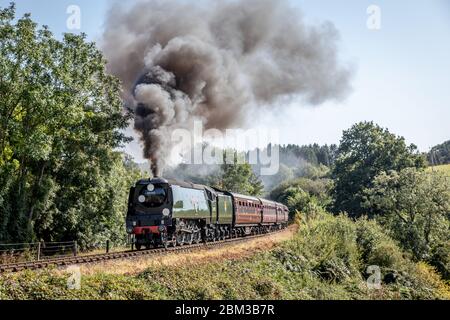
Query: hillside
[{"x": 327, "y": 259}]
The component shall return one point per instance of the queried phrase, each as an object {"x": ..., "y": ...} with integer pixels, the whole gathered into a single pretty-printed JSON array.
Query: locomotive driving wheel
[
  {"x": 180, "y": 238},
  {"x": 197, "y": 237},
  {"x": 189, "y": 238},
  {"x": 164, "y": 240},
  {"x": 173, "y": 240}
]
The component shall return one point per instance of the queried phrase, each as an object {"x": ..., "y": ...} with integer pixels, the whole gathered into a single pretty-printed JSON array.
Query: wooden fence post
[
  {"x": 75, "y": 248},
  {"x": 38, "y": 251},
  {"x": 107, "y": 246}
]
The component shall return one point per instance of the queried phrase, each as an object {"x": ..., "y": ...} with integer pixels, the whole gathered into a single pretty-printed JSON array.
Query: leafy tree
[
  {"x": 299, "y": 194},
  {"x": 239, "y": 178},
  {"x": 440, "y": 154},
  {"x": 61, "y": 118},
  {"x": 284, "y": 174},
  {"x": 312, "y": 172},
  {"x": 366, "y": 150},
  {"x": 415, "y": 207}
]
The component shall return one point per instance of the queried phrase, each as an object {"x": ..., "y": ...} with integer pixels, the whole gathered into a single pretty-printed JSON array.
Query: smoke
[{"x": 218, "y": 62}]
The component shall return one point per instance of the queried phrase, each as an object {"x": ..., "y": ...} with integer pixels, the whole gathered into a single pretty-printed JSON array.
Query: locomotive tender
[{"x": 168, "y": 212}]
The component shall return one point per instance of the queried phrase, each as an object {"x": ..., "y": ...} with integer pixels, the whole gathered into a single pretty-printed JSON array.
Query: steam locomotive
[{"x": 173, "y": 213}]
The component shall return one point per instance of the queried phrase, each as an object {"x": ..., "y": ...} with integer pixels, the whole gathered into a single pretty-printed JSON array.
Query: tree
[
  {"x": 61, "y": 118},
  {"x": 415, "y": 207},
  {"x": 440, "y": 154},
  {"x": 312, "y": 154},
  {"x": 298, "y": 194},
  {"x": 239, "y": 178},
  {"x": 365, "y": 151}
]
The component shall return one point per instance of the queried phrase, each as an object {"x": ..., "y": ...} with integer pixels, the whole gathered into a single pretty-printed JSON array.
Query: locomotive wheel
[
  {"x": 164, "y": 240},
  {"x": 189, "y": 238},
  {"x": 211, "y": 236},
  {"x": 197, "y": 237},
  {"x": 174, "y": 241},
  {"x": 138, "y": 246},
  {"x": 181, "y": 238}
]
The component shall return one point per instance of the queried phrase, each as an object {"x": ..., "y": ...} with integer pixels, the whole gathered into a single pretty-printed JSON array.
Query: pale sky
[{"x": 401, "y": 72}]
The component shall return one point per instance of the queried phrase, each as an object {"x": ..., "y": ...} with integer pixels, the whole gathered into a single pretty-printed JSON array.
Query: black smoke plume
[{"x": 216, "y": 61}]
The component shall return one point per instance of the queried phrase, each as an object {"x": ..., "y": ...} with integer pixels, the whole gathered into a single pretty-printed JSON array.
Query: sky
[{"x": 401, "y": 71}]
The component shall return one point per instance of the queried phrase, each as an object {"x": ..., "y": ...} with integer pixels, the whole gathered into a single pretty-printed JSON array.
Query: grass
[
  {"x": 327, "y": 259},
  {"x": 444, "y": 169}
]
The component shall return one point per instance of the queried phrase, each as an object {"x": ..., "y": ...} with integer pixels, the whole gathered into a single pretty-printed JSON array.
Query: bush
[
  {"x": 413, "y": 206},
  {"x": 440, "y": 259},
  {"x": 375, "y": 246},
  {"x": 298, "y": 193}
]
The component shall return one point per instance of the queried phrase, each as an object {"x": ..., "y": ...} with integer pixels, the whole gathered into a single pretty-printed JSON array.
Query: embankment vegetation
[{"x": 328, "y": 258}]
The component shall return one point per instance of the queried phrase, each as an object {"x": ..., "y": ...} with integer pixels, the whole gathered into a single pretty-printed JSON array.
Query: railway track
[{"x": 67, "y": 261}]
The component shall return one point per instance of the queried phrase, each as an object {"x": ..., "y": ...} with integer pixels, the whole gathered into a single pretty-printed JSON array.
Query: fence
[{"x": 24, "y": 252}]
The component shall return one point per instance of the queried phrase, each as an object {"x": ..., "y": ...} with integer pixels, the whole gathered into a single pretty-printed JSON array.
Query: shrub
[{"x": 375, "y": 246}]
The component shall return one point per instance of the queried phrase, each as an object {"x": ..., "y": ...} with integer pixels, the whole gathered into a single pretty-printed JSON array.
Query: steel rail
[{"x": 67, "y": 261}]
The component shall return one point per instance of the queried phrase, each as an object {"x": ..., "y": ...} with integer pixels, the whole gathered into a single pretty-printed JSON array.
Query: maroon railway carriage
[
  {"x": 286, "y": 214},
  {"x": 282, "y": 213},
  {"x": 247, "y": 210},
  {"x": 255, "y": 215},
  {"x": 269, "y": 212}
]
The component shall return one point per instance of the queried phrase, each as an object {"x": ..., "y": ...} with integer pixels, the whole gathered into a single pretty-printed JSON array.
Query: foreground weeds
[{"x": 327, "y": 259}]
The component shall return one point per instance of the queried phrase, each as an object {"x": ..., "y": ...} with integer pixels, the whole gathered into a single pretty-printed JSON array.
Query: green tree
[
  {"x": 61, "y": 118},
  {"x": 365, "y": 151},
  {"x": 302, "y": 193},
  {"x": 414, "y": 206},
  {"x": 440, "y": 154},
  {"x": 239, "y": 177}
]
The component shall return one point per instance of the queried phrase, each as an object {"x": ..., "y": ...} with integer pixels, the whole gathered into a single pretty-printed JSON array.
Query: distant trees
[
  {"x": 60, "y": 120},
  {"x": 367, "y": 150},
  {"x": 440, "y": 154},
  {"x": 313, "y": 154}
]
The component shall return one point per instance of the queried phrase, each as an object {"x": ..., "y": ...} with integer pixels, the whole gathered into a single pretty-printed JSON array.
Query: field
[{"x": 445, "y": 169}]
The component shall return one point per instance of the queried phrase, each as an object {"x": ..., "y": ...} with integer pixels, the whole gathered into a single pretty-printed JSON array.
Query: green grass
[
  {"x": 444, "y": 169},
  {"x": 327, "y": 259}
]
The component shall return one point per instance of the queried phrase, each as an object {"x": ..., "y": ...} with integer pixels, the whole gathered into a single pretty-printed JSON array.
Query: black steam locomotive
[{"x": 163, "y": 213}]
